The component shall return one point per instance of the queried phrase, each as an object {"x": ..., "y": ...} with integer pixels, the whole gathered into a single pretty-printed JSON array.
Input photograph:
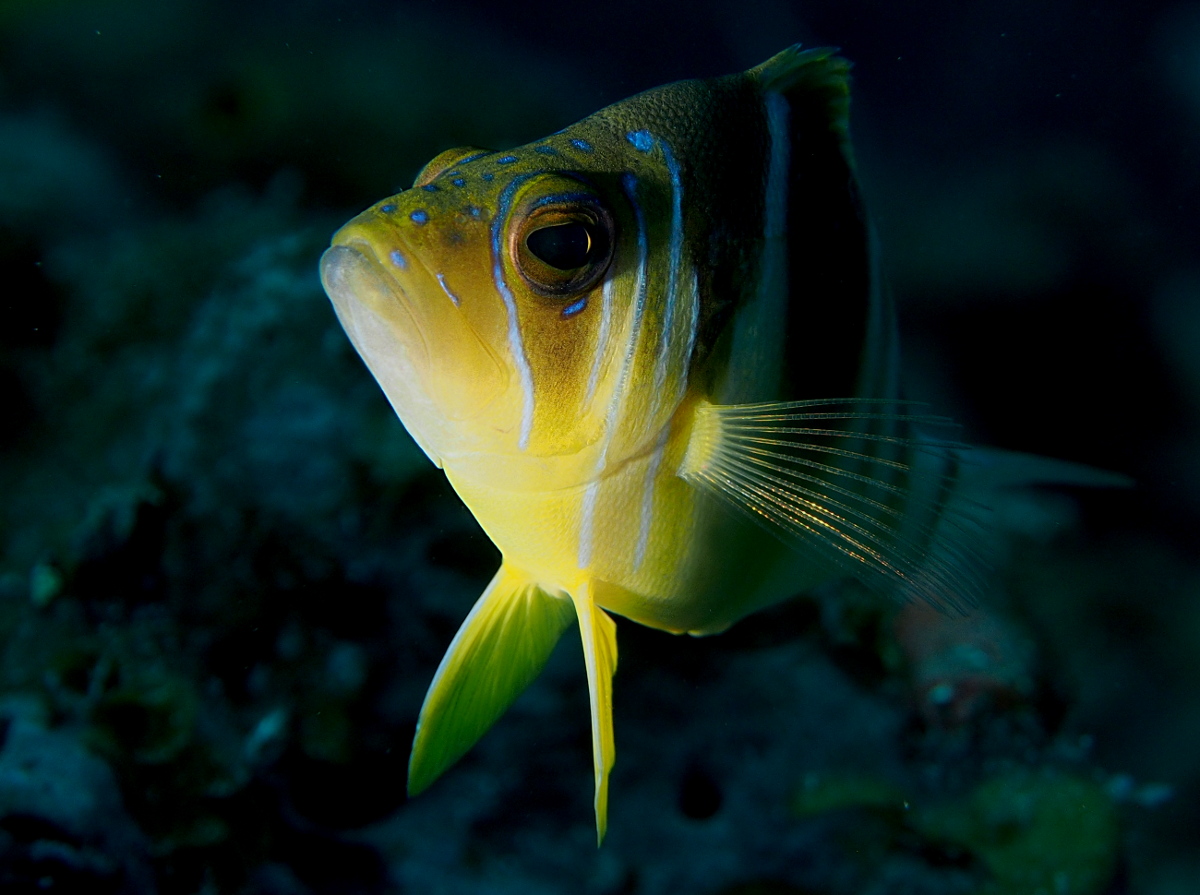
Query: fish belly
[{"x": 650, "y": 546}]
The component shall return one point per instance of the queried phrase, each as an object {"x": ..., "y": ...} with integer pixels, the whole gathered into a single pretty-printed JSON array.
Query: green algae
[
  {"x": 1029, "y": 831},
  {"x": 1037, "y": 832}
]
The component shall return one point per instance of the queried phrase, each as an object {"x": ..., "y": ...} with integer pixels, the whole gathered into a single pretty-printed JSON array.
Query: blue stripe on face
[
  {"x": 516, "y": 343},
  {"x": 676, "y": 258},
  {"x": 582, "y": 145},
  {"x": 629, "y": 185},
  {"x": 560, "y": 198},
  {"x": 398, "y": 259},
  {"x": 601, "y": 340},
  {"x": 575, "y": 307}
]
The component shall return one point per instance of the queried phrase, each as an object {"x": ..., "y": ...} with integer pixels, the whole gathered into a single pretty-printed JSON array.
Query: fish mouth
[
  {"x": 441, "y": 376},
  {"x": 357, "y": 282},
  {"x": 382, "y": 322}
]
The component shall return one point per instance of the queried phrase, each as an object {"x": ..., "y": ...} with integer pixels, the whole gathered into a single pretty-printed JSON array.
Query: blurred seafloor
[{"x": 227, "y": 575}]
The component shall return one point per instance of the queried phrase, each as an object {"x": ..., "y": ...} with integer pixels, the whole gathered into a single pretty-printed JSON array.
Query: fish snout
[
  {"x": 440, "y": 375},
  {"x": 373, "y": 306}
]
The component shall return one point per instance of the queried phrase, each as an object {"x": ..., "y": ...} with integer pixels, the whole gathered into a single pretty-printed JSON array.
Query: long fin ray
[
  {"x": 501, "y": 647},
  {"x": 598, "y": 632},
  {"x": 885, "y": 506},
  {"x": 812, "y": 517}
]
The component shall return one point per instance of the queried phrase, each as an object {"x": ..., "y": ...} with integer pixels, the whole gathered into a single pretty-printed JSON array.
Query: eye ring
[{"x": 563, "y": 245}]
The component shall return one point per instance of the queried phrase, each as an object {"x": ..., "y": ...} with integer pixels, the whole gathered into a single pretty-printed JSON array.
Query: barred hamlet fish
[{"x": 632, "y": 344}]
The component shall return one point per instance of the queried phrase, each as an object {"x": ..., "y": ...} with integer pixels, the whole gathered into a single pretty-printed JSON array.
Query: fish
[{"x": 635, "y": 344}]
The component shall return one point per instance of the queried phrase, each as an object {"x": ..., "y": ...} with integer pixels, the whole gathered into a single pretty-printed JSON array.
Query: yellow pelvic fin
[
  {"x": 599, "y": 634},
  {"x": 500, "y": 648}
]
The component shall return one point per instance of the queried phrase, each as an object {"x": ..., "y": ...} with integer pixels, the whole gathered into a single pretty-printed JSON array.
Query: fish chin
[{"x": 378, "y": 317}]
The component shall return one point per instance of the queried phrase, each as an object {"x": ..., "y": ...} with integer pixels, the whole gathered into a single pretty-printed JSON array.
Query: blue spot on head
[
  {"x": 583, "y": 145},
  {"x": 545, "y": 150},
  {"x": 506, "y": 160},
  {"x": 458, "y": 181},
  {"x": 487, "y": 175},
  {"x": 642, "y": 141},
  {"x": 387, "y": 209},
  {"x": 420, "y": 216},
  {"x": 575, "y": 307},
  {"x": 474, "y": 211},
  {"x": 399, "y": 260},
  {"x": 430, "y": 188}
]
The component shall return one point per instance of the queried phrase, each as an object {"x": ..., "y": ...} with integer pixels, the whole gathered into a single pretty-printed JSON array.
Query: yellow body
[{"x": 702, "y": 569}]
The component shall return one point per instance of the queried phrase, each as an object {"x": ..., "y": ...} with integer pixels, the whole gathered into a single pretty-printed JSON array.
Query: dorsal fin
[
  {"x": 820, "y": 77},
  {"x": 831, "y": 277}
]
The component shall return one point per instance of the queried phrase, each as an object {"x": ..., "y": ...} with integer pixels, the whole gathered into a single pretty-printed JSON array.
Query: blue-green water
[{"x": 227, "y": 575}]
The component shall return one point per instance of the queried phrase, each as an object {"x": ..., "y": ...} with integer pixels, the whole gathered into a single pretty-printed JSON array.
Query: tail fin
[{"x": 996, "y": 468}]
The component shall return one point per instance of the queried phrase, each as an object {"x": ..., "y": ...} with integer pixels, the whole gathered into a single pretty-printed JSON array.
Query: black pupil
[{"x": 563, "y": 246}]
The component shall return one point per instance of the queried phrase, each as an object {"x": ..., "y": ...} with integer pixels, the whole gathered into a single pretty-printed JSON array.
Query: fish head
[{"x": 493, "y": 302}]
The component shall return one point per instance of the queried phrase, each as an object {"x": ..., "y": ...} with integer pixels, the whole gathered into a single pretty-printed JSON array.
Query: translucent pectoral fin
[
  {"x": 849, "y": 481},
  {"x": 860, "y": 483},
  {"x": 599, "y": 635},
  {"x": 500, "y": 648}
]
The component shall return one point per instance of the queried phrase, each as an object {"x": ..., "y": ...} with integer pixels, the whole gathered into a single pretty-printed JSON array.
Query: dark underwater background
[{"x": 227, "y": 575}]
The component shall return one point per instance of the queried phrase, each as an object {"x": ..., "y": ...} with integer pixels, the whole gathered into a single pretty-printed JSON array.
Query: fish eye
[{"x": 563, "y": 246}]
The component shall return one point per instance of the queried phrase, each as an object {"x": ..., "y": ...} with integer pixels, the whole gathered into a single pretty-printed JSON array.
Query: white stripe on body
[
  {"x": 647, "y": 514},
  {"x": 515, "y": 342},
  {"x": 586, "y": 526},
  {"x": 601, "y": 342},
  {"x": 517, "y": 345},
  {"x": 586, "y": 522}
]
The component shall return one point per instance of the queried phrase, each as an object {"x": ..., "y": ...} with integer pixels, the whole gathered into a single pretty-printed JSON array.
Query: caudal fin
[{"x": 996, "y": 468}]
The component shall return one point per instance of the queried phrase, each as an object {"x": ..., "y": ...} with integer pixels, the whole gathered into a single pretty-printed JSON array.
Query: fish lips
[
  {"x": 417, "y": 349},
  {"x": 377, "y": 315}
]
